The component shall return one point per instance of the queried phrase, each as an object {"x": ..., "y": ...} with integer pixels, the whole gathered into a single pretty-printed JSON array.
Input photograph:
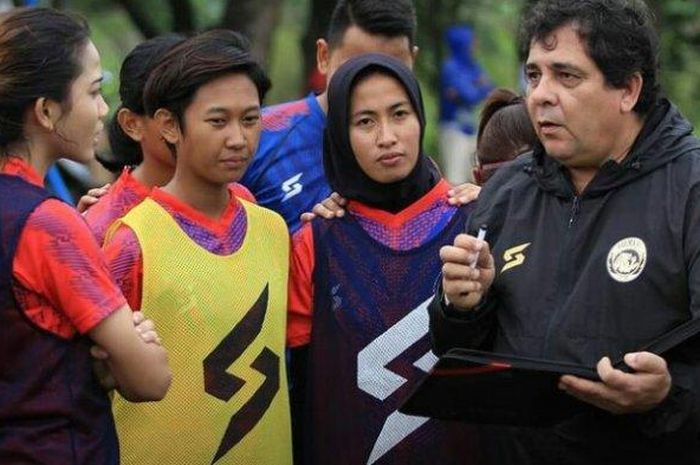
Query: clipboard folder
[{"x": 498, "y": 389}]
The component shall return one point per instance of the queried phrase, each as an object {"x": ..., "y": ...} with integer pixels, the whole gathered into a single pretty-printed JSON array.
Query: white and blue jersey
[{"x": 286, "y": 174}]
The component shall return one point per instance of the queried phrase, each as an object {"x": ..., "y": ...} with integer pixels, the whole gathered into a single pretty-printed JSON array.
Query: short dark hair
[
  {"x": 40, "y": 51},
  {"x": 136, "y": 68},
  {"x": 195, "y": 62},
  {"x": 394, "y": 18},
  {"x": 505, "y": 131},
  {"x": 619, "y": 36}
]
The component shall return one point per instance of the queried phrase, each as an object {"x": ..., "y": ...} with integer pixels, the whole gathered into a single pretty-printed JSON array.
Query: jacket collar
[{"x": 665, "y": 135}]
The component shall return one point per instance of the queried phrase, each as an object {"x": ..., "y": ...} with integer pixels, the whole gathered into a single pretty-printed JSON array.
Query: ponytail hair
[
  {"x": 136, "y": 68},
  {"x": 505, "y": 131}
]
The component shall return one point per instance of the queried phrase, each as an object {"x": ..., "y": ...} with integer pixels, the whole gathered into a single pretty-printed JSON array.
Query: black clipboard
[{"x": 490, "y": 388}]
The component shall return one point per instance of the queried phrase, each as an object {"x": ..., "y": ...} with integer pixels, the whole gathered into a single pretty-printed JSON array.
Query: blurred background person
[{"x": 463, "y": 85}]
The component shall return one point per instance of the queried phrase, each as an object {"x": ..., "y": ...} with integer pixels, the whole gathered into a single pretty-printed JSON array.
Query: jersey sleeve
[
  {"x": 98, "y": 217},
  {"x": 125, "y": 261},
  {"x": 301, "y": 288},
  {"x": 58, "y": 258}
]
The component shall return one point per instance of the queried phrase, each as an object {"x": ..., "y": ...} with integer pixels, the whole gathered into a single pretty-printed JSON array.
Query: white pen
[{"x": 480, "y": 236}]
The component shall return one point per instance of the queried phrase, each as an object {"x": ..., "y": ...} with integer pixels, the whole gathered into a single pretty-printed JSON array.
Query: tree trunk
[
  {"x": 183, "y": 16},
  {"x": 434, "y": 17},
  {"x": 257, "y": 20},
  {"x": 141, "y": 20}
]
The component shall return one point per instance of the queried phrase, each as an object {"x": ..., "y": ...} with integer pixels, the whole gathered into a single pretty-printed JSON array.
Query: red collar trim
[
  {"x": 127, "y": 181},
  {"x": 218, "y": 225},
  {"x": 395, "y": 220},
  {"x": 16, "y": 166}
]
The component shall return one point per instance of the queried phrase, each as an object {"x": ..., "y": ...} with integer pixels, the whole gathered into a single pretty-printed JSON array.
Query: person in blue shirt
[
  {"x": 286, "y": 174},
  {"x": 463, "y": 85}
]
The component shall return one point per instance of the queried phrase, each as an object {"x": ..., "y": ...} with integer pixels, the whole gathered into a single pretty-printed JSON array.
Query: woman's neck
[
  {"x": 205, "y": 197},
  {"x": 153, "y": 173},
  {"x": 33, "y": 154}
]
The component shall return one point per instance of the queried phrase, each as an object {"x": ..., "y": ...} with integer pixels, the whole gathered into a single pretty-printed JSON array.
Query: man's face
[
  {"x": 358, "y": 42},
  {"x": 576, "y": 114}
]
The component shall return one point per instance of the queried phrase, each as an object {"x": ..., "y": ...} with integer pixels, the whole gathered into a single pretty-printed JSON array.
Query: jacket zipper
[
  {"x": 575, "y": 209},
  {"x": 563, "y": 271}
]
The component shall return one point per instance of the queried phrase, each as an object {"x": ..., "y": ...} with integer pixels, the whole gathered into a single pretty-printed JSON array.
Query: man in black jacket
[{"x": 596, "y": 243}]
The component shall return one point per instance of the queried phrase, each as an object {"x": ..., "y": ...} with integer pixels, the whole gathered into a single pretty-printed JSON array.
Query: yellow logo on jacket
[{"x": 514, "y": 256}]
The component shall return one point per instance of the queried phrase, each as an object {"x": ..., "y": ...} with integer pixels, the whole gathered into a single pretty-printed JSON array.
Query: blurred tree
[
  {"x": 253, "y": 18},
  {"x": 143, "y": 21},
  {"x": 679, "y": 23},
  {"x": 317, "y": 26},
  {"x": 434, "y": 17}
]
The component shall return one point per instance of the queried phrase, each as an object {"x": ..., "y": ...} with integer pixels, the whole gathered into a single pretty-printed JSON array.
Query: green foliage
[
  {"x": 497, "y": 48},
  {"x": 208, "y": 13},
  {"x": 286, "y": 65},
  {"x": 114, "y": 36},
  {"x": 680, "y": 54}
]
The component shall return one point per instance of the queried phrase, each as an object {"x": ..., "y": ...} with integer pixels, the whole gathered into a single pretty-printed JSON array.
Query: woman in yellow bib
[{"x": 211, "y": 269}]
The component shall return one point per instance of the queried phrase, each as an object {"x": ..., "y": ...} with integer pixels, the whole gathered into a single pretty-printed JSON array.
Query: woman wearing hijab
[{"x": 360, "y": 284}]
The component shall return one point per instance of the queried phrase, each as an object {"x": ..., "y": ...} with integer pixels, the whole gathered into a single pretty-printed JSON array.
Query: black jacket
[{"x": 601, "y": 273}]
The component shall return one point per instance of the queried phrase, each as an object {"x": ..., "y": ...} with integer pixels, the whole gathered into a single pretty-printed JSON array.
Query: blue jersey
[{"x": 287, "y": 174}]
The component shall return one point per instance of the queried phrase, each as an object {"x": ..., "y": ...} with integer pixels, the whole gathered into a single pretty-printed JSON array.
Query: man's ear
[
  {"x": 631, "y": 92},
  {"x": 47, "y": 112},
  {"x": 131, "y": 123},
  {"x": 414, "y": 53},
  {"x": 322, "y": 56},
  {"x": 168, "y": 126}
]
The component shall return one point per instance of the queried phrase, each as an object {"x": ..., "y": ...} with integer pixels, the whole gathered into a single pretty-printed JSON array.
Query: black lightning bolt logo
[{"x": 223, "y": 385}]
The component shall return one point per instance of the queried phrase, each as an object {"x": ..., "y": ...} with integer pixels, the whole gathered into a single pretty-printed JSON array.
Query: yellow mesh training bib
[{"x": 222, "y": 320}]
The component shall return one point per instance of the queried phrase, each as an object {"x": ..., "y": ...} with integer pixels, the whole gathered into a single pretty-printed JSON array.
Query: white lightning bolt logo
[
  {"x": 376, "y": 380},
  {"x": 514, "y": 256},
  {"x": 292, "y": 187}
]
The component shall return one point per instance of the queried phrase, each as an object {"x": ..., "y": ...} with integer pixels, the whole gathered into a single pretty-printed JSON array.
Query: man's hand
[
  {"x": 463, "y": 284},
  {"x": 621, "y": 392},
  {"x": 463, "y": 194},
  {"x": 144, "y": 327},
  {"x": 332, "y": 207},
  {"x": 91, "y": 198}
]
